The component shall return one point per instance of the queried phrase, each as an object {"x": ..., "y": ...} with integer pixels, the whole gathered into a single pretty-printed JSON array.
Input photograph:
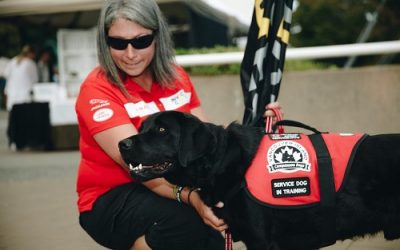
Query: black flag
[{"x": 264, "y": 57}]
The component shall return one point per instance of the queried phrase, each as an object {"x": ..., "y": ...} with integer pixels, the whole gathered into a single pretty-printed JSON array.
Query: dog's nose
[{"x": 125, "y": 144}]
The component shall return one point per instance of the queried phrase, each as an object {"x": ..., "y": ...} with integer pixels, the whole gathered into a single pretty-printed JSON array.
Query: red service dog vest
[{"x": 284, "y": 172}]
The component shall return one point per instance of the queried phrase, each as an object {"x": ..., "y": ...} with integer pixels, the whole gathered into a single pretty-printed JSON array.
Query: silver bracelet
[{"x": 178, "y": 194}]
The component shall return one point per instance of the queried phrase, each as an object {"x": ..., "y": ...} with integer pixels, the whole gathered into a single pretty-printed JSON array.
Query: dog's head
[{"x": 170, "y": 144}]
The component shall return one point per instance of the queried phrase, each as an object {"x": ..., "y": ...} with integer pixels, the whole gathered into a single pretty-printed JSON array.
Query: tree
[
  {"x": 10, "y": 40},
  {"x": 328, "y": 22}
]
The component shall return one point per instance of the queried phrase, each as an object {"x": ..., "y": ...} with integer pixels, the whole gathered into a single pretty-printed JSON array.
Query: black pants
[{"x": 129, "y": 211}]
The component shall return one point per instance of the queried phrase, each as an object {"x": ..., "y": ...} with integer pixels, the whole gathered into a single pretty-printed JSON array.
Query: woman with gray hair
[{"x": 137, "y": 77}]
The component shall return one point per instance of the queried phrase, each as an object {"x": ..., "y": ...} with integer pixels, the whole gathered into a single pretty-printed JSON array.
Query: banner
[{"x": 264, "y": 57}]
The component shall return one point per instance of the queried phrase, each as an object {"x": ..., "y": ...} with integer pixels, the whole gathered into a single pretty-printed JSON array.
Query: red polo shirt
[{"x": 100, "y": 106}]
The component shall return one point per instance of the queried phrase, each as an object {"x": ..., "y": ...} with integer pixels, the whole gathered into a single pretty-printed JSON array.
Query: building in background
[
  {"x": 68, "y": 27},
  {"x": 194, "y": 23}
]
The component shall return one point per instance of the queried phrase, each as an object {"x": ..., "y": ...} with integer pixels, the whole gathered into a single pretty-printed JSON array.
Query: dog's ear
[{"x": 196, "y": 139}]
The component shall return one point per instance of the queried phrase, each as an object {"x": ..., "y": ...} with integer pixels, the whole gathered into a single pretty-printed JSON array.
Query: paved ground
[
  {"x": 37, "y": 203},
  {"x": 37, "y": 200}
]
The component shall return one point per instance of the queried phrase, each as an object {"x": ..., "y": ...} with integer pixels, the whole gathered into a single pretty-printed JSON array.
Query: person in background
[
  {"x": 137, "y": 77},
  {"x": 3, "y": 64},
  {"x": 21, "y": 74},
  {"x": 45, "y": 66},
  {"x": 2, "y": 96}
]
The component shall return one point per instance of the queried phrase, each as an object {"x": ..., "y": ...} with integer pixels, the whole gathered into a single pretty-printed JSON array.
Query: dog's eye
[{"x": 161, "y": 129}]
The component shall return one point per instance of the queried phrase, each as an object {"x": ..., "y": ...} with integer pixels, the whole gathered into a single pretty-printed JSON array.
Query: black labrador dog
[{"x": 188, "y": 152}]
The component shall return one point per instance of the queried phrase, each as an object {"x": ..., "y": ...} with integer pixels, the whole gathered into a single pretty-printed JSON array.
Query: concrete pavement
[{"x": 37, "y": 200}]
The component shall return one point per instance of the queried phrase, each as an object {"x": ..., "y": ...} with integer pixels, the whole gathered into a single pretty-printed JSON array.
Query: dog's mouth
[{"x": 142, "y": 172}]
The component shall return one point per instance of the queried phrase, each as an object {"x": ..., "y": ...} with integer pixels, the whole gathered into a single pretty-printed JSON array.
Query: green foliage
[
  {"x": 329, "y": 22},
  {"x": 234, "y": 69},
  {"x": 10, "y": 40},
  {"x": 225, "y": 69},
  {"x": 216, "y": 49},
  {"x": 229, "y": 69},
  {"x": 15, "y": 32}
]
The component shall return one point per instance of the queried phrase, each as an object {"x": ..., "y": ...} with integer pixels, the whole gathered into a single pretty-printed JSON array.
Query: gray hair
[{"x": 147, "y": 14}]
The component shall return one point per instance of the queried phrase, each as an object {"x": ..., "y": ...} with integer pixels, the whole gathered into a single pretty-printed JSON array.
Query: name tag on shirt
[
  {"x": 176, "y": 101},
  {"x": 141, "y": 109}
]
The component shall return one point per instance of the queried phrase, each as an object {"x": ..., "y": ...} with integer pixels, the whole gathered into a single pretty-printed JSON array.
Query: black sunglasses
[{"x": 140, "y": 42}]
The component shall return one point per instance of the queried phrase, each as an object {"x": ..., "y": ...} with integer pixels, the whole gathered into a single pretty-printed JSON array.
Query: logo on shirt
[
  {"x": 103, "y": 114},
  {"x": 98, "y": 103},
  {"x": 287, "y": 157}
]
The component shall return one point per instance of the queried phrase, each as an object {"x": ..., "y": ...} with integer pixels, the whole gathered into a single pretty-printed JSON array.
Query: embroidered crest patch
[{"x": 287, "y": 157}]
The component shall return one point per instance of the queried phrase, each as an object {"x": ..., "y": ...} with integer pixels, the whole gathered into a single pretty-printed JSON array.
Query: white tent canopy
[
  {"x": 31, "y": 7},
  {"x": 240, "y": 10}
]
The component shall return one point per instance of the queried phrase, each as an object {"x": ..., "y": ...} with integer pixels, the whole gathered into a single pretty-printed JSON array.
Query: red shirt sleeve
[{"x": 100, "y": 106}]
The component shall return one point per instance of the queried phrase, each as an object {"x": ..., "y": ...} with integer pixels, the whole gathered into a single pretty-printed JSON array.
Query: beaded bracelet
[
  {"x": 178, "y": 193},
  {"x": 174, "y": 190}
]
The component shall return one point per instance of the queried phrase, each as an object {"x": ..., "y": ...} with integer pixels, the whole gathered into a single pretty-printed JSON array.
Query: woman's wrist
[
  {"x": 196, "y": 202},
  {"x": 185, "y": 194},
  {"x": 191, "y": 191},
  {"x": 177, "y": 192}
]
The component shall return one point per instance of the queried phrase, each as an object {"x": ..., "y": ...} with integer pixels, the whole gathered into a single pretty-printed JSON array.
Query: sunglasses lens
[
  {"x": 138, "y": 42},
  {"x": 116, "y": 43},
  {"x": 142, "y": 42}
]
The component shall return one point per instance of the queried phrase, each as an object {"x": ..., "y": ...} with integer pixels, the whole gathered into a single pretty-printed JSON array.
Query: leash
[
  {"x": 269, "y": 122},
  {"x": 228, "y": 240}
]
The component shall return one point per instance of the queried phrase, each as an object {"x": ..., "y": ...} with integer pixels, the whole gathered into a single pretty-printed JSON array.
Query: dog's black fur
[{"x": 191, "y": 153}]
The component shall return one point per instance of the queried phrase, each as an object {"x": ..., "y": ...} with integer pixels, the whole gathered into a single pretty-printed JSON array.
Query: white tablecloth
[
  {"x": 62, "y": 108},
  {"x": 62, "y": 112}
]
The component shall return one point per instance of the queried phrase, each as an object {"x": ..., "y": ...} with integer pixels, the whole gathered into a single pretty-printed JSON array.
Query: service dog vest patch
[{"x": 284, "y": 172}]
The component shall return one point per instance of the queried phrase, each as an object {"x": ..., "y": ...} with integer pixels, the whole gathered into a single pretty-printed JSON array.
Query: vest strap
[{"x": 327, "y": 226}]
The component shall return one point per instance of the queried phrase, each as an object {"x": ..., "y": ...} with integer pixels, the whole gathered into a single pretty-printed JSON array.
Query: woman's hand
[
  {"x": 269, "y": 112},
  {"x": 206, "y": 213}
]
